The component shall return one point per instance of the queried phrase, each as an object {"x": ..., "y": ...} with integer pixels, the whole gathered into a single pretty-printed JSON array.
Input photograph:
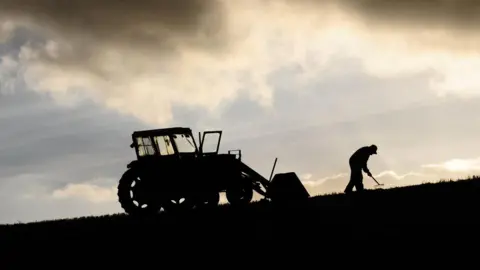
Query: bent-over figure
[{"x": 358, "y": 162}]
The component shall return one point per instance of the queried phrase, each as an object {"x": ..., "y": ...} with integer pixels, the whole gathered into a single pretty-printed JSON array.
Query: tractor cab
[{"x": 174, "y": 142}]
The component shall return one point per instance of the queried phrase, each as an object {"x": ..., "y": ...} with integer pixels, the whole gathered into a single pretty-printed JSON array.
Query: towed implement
[{"x": 172, "y": 172}]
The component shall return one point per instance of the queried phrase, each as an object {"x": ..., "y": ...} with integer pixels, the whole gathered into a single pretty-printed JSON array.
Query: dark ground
[{"x": 428, "y": 217}]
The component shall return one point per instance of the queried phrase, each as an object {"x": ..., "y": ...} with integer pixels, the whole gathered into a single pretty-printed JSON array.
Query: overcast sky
[{"x": 306, "y": 81}]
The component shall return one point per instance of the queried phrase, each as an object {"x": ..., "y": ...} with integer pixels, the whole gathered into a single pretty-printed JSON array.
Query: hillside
[{"x": 430, "y": 211}]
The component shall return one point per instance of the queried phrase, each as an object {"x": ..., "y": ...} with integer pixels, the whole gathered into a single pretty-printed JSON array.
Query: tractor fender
[{"x": 132, "y": 164}]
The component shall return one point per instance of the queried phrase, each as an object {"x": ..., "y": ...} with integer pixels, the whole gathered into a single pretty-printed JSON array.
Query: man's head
[{"x": 373, "y": 149}]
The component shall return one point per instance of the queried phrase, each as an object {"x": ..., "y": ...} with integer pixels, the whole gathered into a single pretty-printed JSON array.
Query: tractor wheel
[
  {"x": 211, "y": 200},
  {"x": 178, "y": 204},
  {"x": 131, "y": 200},
  {"x": 241, "y": 193}
]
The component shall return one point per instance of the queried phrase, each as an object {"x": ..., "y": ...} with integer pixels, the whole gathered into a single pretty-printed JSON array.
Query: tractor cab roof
[{"x": 162, "y": 131}]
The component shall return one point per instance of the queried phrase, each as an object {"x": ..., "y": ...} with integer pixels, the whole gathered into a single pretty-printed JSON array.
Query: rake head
[{"x": 378, "y": 186}]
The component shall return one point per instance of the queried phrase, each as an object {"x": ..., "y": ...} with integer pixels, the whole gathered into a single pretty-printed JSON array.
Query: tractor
[{"x": 173, "y": 173}]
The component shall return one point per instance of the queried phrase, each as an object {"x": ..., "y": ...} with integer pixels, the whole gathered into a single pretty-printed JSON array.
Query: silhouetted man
[{"x": 358, "y": 162}]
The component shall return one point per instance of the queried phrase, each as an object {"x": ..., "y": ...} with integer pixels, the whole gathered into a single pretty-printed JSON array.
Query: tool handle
[{"x": 375, "y": 180}]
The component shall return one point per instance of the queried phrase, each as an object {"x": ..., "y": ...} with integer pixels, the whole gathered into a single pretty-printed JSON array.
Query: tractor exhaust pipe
[{"x": 273, "y": 169}]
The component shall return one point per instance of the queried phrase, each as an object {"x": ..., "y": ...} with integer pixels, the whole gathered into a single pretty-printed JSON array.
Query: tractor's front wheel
[
  {"x": 240, "y": 193},
  {"x": 132, "y": 195}
]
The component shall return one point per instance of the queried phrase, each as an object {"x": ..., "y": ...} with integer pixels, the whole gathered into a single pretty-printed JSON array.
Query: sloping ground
[{"x": 444, "y": 211}]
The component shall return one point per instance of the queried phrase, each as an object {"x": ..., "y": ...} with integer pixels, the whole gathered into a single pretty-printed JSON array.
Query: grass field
[{"x": 427, "y": 213}]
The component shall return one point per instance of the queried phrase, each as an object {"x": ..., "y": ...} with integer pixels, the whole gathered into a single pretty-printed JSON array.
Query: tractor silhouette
[{"x": 173, "y": 173}]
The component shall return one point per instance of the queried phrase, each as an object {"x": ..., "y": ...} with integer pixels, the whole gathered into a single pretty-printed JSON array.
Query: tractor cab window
[
  {"x": 164, "y": 145},
  {"x": 145, "y": 147},
  {"x": 184, "y": 143}
]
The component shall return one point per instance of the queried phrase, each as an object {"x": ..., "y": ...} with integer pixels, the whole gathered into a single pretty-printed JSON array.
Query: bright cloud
[
  {"x": 451, "y": 169},
  {"x": 306, "y": 176},
  {"x": 259, "y": 38},
  {"x": 400, "y": 177},
  {"x": 457, "y": 165},
  {"x": 320, "y": 181},
  {"x": 89, "y": 192}
]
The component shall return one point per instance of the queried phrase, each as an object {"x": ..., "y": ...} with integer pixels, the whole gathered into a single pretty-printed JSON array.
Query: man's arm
[{"x": 366, "y": 170}]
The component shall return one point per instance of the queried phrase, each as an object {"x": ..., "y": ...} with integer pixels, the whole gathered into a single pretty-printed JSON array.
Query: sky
[{"x": 304, "y": 81}]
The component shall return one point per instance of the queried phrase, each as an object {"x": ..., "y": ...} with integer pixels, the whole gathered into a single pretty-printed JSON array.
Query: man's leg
[
  {"x": 349, "y": 187},
  {"x": 359, "y": 182},
  {"x": 353, "y": 180}
]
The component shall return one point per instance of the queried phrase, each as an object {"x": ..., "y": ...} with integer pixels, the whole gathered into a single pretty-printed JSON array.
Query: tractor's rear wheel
[
  {"x": 132, "y": 198},
  {"x": 240, "y": 193}
]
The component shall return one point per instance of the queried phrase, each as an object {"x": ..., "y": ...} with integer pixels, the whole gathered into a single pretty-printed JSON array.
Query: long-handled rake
[{"x": 378, "y": 184}]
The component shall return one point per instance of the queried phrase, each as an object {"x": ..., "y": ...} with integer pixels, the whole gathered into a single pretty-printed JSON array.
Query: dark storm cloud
[
  {"x": 458, "y": 14},
  {"x": 131, "y": 23},
  {"x": 159, "y": 21},
  {"x": 449, "y": 14}
]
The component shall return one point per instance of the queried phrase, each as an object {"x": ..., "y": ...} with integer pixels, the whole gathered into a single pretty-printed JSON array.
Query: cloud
[
  {"x": 450, "y": 169},
  {"x": 206, "y": 53},
  {"x": 396, "y": 176},
  {"x": 89, "y": 192},
  {"x": 457, "y": 165},
  {"x": 6, "y": 29},
  {"x": 306, "y": 176},
  {"x": 389, "y": 179},
  {"x": 22, "y": 186},
  {"x": 140, "y": 22},
  {"x": 434, "y": 14},
  {"x": 317, "y": 182},
  {"x": 8, "y": 74}
]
